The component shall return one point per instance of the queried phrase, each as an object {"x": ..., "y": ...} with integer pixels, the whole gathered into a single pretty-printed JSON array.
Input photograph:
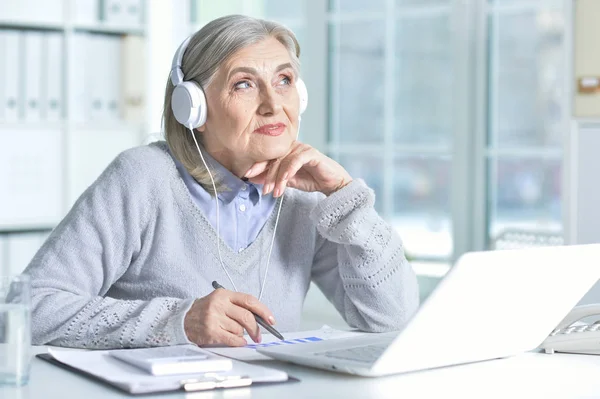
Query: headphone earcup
[
  {"x": 303, "y": 94},
  {"x": 189, "y": 104}
]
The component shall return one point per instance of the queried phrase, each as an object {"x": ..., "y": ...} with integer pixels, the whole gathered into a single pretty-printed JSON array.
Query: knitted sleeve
[
  {"x": 85, "y": 254},
  {"x": 360, "y": 264}
]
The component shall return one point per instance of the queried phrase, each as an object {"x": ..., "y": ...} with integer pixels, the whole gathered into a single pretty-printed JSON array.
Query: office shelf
[
  {"x": 48, "y": 160},
  {"x": 112, "y": 30},
  {"x": 27, "y": 25}
]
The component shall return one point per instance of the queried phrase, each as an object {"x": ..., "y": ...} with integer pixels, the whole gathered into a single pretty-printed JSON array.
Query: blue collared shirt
[{"x": 243, "y": 210}]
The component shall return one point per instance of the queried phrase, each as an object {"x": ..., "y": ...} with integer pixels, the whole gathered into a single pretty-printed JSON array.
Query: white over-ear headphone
[{"x": 188, "y": 101}]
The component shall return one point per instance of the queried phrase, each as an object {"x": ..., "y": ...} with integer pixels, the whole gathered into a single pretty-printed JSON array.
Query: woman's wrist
[{"x": 343, "y": 183}]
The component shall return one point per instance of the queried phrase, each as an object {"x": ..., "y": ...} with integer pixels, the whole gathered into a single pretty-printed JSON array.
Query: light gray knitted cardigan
[{"x": 126, "y": 263}]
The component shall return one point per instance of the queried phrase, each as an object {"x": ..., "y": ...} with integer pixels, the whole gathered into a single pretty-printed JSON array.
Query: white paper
[
  {"x": 249, "y": 353},
  {"x": 134, "y": 380}
]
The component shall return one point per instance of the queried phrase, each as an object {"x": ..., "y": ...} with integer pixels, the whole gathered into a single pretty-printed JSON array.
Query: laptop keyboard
[{"x": 365, "y": 354}]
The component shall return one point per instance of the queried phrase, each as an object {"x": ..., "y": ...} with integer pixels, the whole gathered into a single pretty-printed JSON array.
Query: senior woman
[{"x": 132, "y": 263}]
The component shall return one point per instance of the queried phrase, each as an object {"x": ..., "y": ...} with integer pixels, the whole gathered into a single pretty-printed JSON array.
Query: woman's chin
[{"x": 275, "y": 151}]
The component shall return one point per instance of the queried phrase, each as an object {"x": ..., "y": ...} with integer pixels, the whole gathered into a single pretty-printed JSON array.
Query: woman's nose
[{"x": 270, "y": 102}]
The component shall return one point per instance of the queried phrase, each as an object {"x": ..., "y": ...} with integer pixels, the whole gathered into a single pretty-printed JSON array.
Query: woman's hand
[
  {"x": 222, "y": 317},
  {"x": 303, "y": 168}
]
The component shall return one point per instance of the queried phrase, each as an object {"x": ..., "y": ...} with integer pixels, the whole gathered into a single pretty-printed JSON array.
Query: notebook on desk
[{"x": 98, "y": 365}]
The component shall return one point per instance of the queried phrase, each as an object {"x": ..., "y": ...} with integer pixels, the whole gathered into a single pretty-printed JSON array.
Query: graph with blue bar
[{"x": 285, "y": 342}]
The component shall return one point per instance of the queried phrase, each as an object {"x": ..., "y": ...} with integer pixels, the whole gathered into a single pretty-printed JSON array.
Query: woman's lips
[{"x": 271, "y": 130}]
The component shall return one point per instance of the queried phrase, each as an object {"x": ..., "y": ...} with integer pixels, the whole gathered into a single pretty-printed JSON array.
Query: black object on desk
[{"x": 259, "y": 319}]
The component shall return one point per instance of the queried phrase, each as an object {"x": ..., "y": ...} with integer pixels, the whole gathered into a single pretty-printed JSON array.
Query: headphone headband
[{"x": 176, "y": 72}]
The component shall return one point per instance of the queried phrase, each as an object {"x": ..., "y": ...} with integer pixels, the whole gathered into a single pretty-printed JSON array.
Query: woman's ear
[{"x": 201, "y": 129}]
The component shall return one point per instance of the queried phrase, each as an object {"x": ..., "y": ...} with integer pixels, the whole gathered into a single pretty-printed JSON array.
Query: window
[
  {"x": 527, "y": 113},
  {"x": 392, "y": 64},
  {"x": 402, "y": 77}
]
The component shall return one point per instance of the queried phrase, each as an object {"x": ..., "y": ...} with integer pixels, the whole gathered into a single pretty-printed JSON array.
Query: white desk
[{"x": 524, "y": 376}]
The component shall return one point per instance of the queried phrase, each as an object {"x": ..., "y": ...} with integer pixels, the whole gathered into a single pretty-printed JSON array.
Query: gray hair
[{"x": 207, "y": 50}]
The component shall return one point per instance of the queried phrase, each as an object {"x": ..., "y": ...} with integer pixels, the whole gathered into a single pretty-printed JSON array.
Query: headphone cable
[{"x": 262, "y": 286}]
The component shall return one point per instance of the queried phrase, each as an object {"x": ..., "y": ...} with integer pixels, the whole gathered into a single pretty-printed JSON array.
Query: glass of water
[{"x": 15, "y": 329}]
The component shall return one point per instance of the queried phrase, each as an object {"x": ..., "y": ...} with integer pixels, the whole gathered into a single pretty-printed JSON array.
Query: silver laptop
[{"x": 490, "y": 305}]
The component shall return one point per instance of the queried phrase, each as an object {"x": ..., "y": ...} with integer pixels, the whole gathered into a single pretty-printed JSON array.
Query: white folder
[
  {"x": 113, "y": 12},
  {"x": 11, "y": 99},
  {"x": 132, "y": 13},
  {"x": 78, "y": 83},
  {"x": 53, "y": 77},
  {"x": 112, "y": 77},
  {"x": 86, "y": 12},
  {"x": 96, "y": 61},
  {"x": 133, "y": 77},
  {"x": 32, "y": 78}
]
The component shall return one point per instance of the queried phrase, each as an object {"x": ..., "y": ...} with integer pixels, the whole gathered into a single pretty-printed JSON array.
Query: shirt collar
[{"x": 223, "y": 175}]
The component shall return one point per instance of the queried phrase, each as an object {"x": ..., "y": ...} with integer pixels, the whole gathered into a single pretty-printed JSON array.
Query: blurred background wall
[{"x": 460, "y": 114}]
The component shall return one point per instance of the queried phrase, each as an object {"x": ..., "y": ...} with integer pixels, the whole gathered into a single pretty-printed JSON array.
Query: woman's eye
[
  {"x": 242, "y": 85},
  {"x": 286, "y": 80}
]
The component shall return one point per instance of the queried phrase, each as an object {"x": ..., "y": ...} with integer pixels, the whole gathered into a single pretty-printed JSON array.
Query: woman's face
[{"x": 253, "y": 107}]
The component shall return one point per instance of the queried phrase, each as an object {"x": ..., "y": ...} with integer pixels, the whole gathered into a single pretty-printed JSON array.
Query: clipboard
[{"x": 192, "y": 383}]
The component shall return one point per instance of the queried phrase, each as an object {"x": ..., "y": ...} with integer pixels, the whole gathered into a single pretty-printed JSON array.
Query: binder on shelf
[
  {"x": 32, "y": 79},
  {"x": 133, "y": 13},
  {"x": 77, "y": 77},
  {"x": 86, "y": 12},
  {"x": 97, "y": 60},
  {"x": 113, "y": 13},
  {"x": 11, "y": 99},
  {"x": 112, "y": 77},
  {"x": 53, "y": 77},
  {"x": 133, "y": 77}
]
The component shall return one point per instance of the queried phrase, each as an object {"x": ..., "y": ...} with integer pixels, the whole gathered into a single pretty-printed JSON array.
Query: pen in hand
[{"x": 259, "y": 319}]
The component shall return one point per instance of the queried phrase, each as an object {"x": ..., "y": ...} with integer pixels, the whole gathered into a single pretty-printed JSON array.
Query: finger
[
  {"x": 232, "y": 326},
  {"x": 256, "y": 169},
  {"x": 246, "y": 319},
  {"x": 290, "y": 166},
  {"x": 230, "y": 339},
  {"x": 282, "y": 177},
  {"x": 252, "y": 304},
  {"x": 269, "y": 183},
  {"x": 260, "y": 179}
]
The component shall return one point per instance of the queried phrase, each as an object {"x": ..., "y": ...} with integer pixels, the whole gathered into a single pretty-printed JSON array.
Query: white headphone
[{"x": 188, "y": 101}]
